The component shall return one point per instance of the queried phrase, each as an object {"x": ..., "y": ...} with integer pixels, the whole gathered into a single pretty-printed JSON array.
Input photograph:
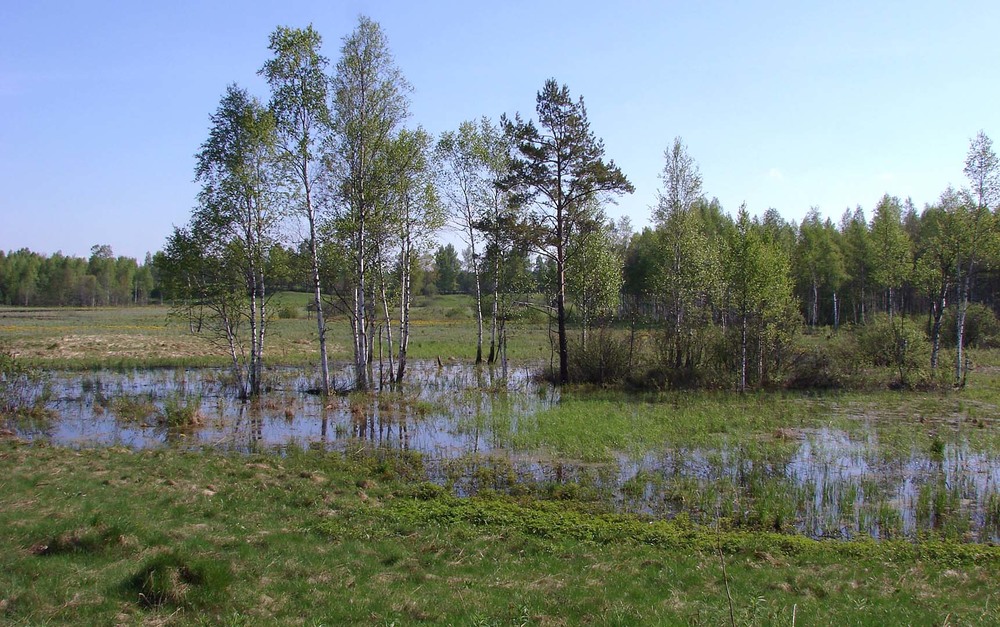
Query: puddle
[{"x": 818, "y": 481}]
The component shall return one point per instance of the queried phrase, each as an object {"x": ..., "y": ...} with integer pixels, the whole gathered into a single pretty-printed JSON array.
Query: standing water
[{"x": 466, "y": 423}]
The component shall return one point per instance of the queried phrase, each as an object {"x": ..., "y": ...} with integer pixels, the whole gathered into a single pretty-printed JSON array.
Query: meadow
[
  {"x": 142, "y": 494},
  {"x": 81, "y": 338}
]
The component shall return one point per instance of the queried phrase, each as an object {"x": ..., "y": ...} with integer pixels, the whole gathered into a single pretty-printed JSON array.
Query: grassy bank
[{"x": 172, "y": 537}]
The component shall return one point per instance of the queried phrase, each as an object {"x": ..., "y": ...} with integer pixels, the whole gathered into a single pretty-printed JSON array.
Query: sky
[{"x": 784, "y": 105}]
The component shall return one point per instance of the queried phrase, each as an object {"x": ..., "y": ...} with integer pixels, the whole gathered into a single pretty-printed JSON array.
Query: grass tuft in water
[
  {"x": 133, "y": 409},
  {"x": 181, "y": 412}
]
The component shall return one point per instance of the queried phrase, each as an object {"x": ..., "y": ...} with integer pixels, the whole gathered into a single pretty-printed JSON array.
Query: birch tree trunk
[
  {"x": 937, "y": 312},
  {"x": 961, "y": 367}
]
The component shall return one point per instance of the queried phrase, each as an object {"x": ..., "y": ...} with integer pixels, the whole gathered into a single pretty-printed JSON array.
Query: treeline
[
  {"x": 729, "y": 294},
  {"x": 31, "y": 279}
]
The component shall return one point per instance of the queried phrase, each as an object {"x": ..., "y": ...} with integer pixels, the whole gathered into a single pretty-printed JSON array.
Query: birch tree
[
  {"x": 419, "y": 217},
  {"x": 595, "y": 275},
  {"x": 819, "y": 264},
  {"x": 858, "y": 261},
  {"x": 759, "y": 291},
  {"x": 935, "y": 269},
  {"x": 296, "y": 74},
  {"x": 978, "y": 230},
  {"x": 892, "y": 259},
  {"x": 687, "y": 264},
  {"x": 221, "y": 261},
  {"x": 471, "y": 161},
  {"x": 370, "y": 102}
]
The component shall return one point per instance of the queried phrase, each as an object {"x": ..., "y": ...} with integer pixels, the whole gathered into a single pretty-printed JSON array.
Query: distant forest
[{"x": 833, "y": 265}]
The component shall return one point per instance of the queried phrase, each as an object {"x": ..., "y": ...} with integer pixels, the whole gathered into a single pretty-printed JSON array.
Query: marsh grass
[
  {"x": 181, "y": 412},
  {"x": 589, "y": 504},
  {"x": 133, "y": 408},
  {"x": 595, "y": 425},
  {"x": 839, "y": 465},
  {"x": 176, "y": 580},
  {"x": 360, "y": 537}
]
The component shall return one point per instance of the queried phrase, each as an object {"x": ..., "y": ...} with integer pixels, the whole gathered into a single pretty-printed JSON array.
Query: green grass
[
  {"x": 172, "y": 537},
  {"x": 594, "y": 425}
]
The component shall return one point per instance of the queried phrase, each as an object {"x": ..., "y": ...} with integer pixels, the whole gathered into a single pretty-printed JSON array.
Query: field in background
[{"x": 64, "y": 337}]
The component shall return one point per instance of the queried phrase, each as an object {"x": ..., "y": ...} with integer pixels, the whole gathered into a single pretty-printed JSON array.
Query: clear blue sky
[{"x": 783, "y": 104}]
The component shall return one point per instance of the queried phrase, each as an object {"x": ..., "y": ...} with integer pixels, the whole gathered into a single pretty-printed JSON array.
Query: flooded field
[{"x": 838, "y": 468}]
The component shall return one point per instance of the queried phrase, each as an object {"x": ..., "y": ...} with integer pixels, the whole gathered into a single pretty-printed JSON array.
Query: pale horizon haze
[{"x": 784, "y": 105}]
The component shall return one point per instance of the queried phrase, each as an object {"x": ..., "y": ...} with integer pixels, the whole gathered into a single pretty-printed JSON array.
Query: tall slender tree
[
  {"x": 819, "y": 265},
  {"x": 759, "y": 290},
  {"x": 594, "y": 277},
  {"x": 978, "y": 226},
  {"x": 370, "y": 102},
  {"x": 557, "y": 167},
  {"x": 688, "y": 264},
  {"x": 471, "y": 161},
  {"x": 462, "y": 177},
  {"x": 857, "y": 247},
  {"x": 299, "y": 85},
  {"x": 891, "y": 252},
  {"x": 681, "y": 182},
  {"x": 935, "y": 270},
  {"x": 221, "y": 260},
  {"x": 418, "y": 217}
]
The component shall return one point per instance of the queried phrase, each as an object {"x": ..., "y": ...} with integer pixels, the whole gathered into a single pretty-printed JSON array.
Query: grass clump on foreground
[{"x": 112, "y": 535}]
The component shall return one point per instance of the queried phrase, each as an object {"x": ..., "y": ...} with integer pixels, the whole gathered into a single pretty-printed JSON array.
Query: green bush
[
  {"x": 288, "y": 312},
  {"x": 604, "y": 361},
  {"x": 832, "y": 364},
  {"x": 895, "y": 343},
  {"x": 179, "y": 412},
  {"x": 982, "y": 327},
  {"x": 708, "y": 362}
]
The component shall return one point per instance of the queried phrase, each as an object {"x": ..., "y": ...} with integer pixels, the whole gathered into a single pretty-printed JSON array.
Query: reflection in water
[{"x": 464, "y": 420}]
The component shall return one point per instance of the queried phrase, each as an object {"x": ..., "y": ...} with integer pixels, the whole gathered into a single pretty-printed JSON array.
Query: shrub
[
  {"x": 708, "y": 360},
  {"x": 831, "y": 364},
  {"x": 179, "y": 412},
  {"x": 604, "y": 361},
  {"x": 982, "y": 327},
  {"x": 897, "y": 343},
  {"x": 288, "y": 312}
]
